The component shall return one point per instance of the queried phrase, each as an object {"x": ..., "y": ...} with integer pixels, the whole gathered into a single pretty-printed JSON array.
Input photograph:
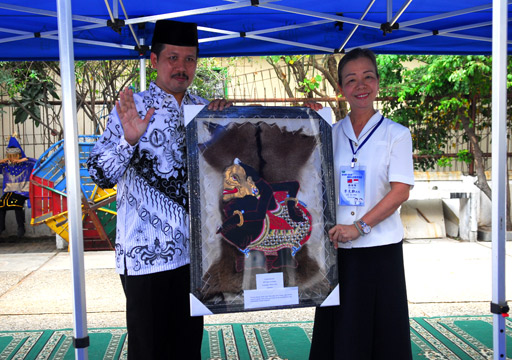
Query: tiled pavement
[{"x": 444, "y": 277}]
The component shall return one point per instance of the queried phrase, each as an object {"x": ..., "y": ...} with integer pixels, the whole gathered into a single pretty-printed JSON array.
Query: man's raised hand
[{"x": 133, "y": 125}]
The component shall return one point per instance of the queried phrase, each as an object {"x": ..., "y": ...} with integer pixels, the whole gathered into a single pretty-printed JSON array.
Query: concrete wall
[
  {"x": 440, "y": 204},
  {"x": 446, "y": 204}
]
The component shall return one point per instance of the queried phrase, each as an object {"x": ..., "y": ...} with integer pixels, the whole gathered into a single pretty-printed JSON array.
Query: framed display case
[{"x": 261, "y": 189}]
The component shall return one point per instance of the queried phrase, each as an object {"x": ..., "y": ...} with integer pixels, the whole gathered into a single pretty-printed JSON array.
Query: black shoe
[{"x": 21, "y": 232}]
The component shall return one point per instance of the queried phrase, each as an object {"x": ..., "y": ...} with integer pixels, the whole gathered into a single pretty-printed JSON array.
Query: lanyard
[{"x": 353, "y": 163}]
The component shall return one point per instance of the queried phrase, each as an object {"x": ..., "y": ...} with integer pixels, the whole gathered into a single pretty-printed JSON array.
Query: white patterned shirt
[{"x": 152, "y": 189}]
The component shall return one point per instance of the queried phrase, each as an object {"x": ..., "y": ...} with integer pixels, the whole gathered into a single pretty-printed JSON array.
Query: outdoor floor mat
[
  {"x": 456, "y": 337},
  {"x": 453, "y": 337}
]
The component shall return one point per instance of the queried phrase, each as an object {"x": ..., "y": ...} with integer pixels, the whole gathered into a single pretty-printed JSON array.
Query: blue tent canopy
[
  {"x": 28, "y": 29},
  {"x": 69, "y": 30}
]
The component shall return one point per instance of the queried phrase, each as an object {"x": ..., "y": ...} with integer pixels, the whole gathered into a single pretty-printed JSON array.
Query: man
[
  {"x": 16, "y": 170},
  {"x": 143, "y": 151}
]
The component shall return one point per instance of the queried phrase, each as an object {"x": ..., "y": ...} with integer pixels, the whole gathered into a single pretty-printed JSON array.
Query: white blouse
[{"x": 386, "y": 157}]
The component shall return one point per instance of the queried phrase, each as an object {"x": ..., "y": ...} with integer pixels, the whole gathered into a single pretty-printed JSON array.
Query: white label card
[
  {"x": 269, "y": 281},
  {"x": 254, "y": 299}
]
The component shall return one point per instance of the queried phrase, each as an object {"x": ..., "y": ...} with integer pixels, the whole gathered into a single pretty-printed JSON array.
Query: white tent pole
[
  {"x": 115, "y": 5},
  {"x": 356, "y": 27},
  {"x": 50, "y": 13},
  {"x": 499, "y": 172},
  {"x": 142, "y": 69},
  {"x": 400, "y": 12},
  {"x": 67, "y": 68},
  {"x": 179, "y": 14}
]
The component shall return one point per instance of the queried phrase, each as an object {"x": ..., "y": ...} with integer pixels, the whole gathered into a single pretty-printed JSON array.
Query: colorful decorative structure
[{"x": 49, "y": 200}]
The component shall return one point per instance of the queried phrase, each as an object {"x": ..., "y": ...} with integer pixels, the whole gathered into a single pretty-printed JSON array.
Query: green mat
[{"x": 456, "y": 337}]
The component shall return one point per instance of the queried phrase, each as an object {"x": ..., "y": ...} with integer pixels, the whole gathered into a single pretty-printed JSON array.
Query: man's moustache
[{"x": 180, "y": 75}]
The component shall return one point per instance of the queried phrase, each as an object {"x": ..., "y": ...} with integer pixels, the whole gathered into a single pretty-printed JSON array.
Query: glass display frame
[{"x": 260, "y": 243}]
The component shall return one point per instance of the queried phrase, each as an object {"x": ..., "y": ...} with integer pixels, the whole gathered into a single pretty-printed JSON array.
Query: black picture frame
[{"x": 279, "y": 146}]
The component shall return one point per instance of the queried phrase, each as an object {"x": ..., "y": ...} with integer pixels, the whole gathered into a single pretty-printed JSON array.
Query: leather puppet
[
  {"x": 260, "y": 216},
  {"x": 263, "y": 226}
]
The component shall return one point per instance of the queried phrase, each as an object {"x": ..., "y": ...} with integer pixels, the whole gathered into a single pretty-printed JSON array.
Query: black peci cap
[{"x": 175, "y": 33}]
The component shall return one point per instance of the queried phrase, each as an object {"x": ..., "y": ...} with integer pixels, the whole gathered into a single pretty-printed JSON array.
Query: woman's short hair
[{"x": 356, "y": 54}]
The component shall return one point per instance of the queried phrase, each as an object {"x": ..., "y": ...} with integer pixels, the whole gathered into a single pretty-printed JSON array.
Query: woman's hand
[
  {"x": 313, "y": 105},
  {"x": 219, "y": 104},
  {"x": 343, "y": 233}
]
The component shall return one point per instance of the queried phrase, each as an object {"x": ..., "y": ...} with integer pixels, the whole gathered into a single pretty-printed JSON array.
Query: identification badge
[{"x": 351, "y": 186}]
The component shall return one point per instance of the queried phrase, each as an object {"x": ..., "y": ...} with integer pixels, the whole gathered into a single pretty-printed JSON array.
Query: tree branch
[{"x": 481, "y": 181}]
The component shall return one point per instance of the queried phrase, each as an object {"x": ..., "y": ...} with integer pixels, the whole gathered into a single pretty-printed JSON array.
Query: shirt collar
[
  {"x": 156, "y": 91},
  {"x": 349, "y": 131}
]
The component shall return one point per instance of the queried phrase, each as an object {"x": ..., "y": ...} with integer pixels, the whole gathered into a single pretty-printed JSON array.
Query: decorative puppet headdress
[
  {"x": 14, "y": 147},
  {"x": 249, "y": 170}
]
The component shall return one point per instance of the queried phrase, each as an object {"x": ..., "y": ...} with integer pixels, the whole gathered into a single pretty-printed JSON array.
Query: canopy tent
[
  {"x": 69, "y": 30},
  {"x": 118, "y": 29}
]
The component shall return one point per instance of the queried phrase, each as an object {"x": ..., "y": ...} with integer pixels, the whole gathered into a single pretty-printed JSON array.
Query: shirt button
[{"x": 352, "y": 213}]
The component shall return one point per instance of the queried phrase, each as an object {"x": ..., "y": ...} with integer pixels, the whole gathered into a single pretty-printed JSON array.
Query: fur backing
[{"x": 279, "y": 154}]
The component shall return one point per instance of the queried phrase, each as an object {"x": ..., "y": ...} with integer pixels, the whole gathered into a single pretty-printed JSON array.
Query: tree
[
  {"x": 438, "y": 96},
  {"x": 32, "y": 88},
  {"x": 98, "y": 84},
  {"x": 211, "y": 79},
  {"x": 313, "y": 76}
]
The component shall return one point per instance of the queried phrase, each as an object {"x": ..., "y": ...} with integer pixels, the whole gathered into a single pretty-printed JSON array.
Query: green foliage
[
  {"x": 435, "y": 95},
  {"x": 297, "y": 67},
  {"x": 35, "y": 94},
  {"x": 465, "y": 156},
  {"x": 31, "y": 88},
  {"x": 211, "y": 79},
  {"x": 444, "y": 161},
  {"x": 313, "y": 76},
  {"x": 288, "y": 59},
  {"x": 390, "y": 72},
  {"x": 309, "y": 85}
]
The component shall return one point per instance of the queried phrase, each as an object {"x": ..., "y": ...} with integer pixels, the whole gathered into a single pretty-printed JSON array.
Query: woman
[{"x": 374, "y": 173}]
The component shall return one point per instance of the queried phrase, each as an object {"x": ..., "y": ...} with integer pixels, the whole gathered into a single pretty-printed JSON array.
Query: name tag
[{"x": 351, "y": 186}]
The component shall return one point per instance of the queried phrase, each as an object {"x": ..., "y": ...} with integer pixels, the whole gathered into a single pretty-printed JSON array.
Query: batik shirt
[{"x": 152, "y": 191}]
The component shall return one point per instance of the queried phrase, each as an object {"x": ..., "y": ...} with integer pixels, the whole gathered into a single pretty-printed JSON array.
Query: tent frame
[
  {"x": 64, "y": 35},
  {"x": 499, "y": 175},
  {"x": 389, "y": 26},
  {"x": 71, "y": 157}
]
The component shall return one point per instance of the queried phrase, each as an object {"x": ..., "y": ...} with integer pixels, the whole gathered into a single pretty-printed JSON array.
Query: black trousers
[
  {"x": 158, "y": 316},
  {"x": 20, "y": 218},
  {"x": 16, "y": 202},
  {"x": 372, "y": 322}
]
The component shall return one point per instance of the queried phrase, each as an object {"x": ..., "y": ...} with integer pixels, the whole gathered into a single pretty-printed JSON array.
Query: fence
[
  {"x": 252, "y": 81},
  {"x": 37, "y": 139}
]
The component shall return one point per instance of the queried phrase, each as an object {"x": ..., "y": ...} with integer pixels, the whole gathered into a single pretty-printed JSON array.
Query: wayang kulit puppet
[
  {"x": 260, "y": 216},
  {"x": 263, "y": 225}
]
